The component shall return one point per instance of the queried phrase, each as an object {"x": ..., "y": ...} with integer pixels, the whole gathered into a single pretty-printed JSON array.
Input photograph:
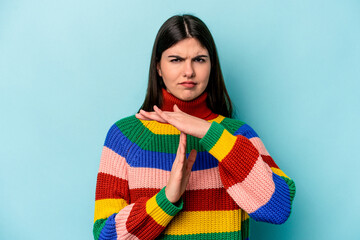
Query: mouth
[{"x": 188, "y": 84}]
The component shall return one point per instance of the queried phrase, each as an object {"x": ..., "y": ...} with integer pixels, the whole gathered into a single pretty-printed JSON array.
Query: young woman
[{"x": 182, "y": 168}]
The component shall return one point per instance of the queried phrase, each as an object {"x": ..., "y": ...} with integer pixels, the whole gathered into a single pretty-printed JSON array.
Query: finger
[
  {"x": 183, "y": 138},
  {"x": 183, "y": 142},
  {"x": 183, "y": 150},
  {"x": 191, "y": 160},
  {"x": 176, "y": 108},
  {"x": 161, "y": 113},
  {"x": 179, "y": 146},
  {"x": 180, "y": 155},
  {"x": 149, "y": 114},
  {"x": 152, "y": 116},
  {"x": 142, "y": 117}
]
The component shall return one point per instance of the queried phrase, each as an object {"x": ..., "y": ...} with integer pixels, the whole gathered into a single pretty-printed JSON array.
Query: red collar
[{"x": 197, "y": 107}]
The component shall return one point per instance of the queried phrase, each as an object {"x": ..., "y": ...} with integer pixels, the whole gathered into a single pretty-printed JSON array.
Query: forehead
[{"x": 188, "y": 46}]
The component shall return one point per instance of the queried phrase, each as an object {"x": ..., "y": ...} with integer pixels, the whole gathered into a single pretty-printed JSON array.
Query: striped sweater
[{"x": 233, "y": 178}]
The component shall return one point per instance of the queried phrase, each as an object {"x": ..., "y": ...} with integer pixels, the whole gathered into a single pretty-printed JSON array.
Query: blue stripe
[
  {"x": 136, "y": 157},
  {"x": 164, "y": 161},
  {"x": 116, "y": 140},
  {"x": 108, "y": 232},
  {"x": 246, "y": 131},
  {"x": 277, "y": 210}
]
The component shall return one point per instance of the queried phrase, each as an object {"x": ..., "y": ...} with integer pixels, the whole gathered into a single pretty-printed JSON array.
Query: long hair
[{"x": 173, "y": 30}]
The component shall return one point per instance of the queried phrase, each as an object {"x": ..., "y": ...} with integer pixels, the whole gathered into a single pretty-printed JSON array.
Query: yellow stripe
[
  {"x": 160, "y": 128},
  {"x": 192, "y": 222},
  {"x": 104, "y": 208},
  {"x": 244, "y": 216},
  {"x": 218, "y": 119},
  {"x": 223, "y": 146},
  {"x": 153, "y": 209},
  {"x": 279, "y": 172},
  {"x": 168, "y": 129}
]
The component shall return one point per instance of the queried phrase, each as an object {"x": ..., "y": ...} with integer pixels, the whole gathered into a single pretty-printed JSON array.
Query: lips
[{"x": 188, "y": 84}]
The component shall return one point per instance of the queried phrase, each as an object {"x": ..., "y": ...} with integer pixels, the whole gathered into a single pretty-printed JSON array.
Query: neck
[{"x": 197, "y": 107}]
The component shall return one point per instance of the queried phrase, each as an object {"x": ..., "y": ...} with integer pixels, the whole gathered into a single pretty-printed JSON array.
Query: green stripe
[
  {"x": 132, "y": 128},
  {"x": 204, "y": 236},
  {"x": 166, "y": 205},
  {"x": 232, "y": 125},
  {"x": 212, "y": 135},
  {"x": 142, "y": 136},
  {"x": 292, "y": 187},
  {"x": 137, "y": 133},
  {"x": 98, "y": 226},
  {"x": 245, "y": 228}
]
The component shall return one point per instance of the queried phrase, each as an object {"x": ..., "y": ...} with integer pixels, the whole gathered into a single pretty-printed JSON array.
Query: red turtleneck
[{"x": 197, "y": 107}]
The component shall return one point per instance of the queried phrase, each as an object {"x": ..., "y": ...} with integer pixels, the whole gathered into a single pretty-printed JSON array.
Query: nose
[{"x": 189, "y": 71}]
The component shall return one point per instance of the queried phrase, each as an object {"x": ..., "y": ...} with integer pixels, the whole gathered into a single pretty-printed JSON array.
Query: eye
[
  {"x": 201, "y": 60},
  {"x": 175, "y": 60}
]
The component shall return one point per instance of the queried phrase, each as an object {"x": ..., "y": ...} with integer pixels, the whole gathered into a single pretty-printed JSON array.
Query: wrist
[
  {"x": 165, "y": 205},
  {"x": 204, "y": 129},
  {"x": 171, "y": 199}
]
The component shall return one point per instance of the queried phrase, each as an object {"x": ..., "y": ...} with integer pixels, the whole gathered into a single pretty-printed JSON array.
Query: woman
[{"x": 181, "y": 168}]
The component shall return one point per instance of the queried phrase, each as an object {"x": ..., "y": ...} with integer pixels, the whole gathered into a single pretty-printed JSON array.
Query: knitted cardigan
[{"x": 233, "y": 178}]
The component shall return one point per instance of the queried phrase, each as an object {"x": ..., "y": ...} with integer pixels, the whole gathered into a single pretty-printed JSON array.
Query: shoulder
[
  {"x": 122, "y": 134},
  {"x": 127, "y": 123},
  {"x": 122, "y": 127},
  {"x": 238, "y": 127}
]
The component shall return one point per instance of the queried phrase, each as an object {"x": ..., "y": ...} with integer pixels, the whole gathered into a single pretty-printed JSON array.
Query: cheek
[
  {"x": 169, "y": 72},
  {"x": 205, "y": 73}
]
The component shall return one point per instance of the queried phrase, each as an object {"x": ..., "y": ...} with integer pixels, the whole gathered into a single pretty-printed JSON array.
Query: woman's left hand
[{"x": 184, "y": 122}]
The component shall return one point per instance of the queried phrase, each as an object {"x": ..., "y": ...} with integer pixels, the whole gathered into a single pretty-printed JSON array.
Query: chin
[{"x": 189, "y": 97}]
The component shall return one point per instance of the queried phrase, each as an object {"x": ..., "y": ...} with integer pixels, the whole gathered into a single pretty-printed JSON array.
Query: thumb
[{"x": 176, "y": 108}]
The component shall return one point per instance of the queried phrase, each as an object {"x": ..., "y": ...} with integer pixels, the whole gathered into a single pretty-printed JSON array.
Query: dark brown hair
[{"x": 173, "y": 30}]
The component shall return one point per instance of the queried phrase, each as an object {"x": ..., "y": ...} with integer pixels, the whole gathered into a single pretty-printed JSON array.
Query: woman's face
[{"x": 185, "y": 69}]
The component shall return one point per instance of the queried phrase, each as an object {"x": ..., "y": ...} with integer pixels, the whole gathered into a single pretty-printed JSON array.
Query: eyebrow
[{"x": 176, "y": 56}]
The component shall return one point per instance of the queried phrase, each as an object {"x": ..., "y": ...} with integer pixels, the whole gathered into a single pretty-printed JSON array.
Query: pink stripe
[
  {"x": 257, "y": 188},
  {"x": 157, "y": 178},
  {"x": 120, "y": 223},
  {"x": 147, "y": 178},
  {"x": 205, "y": 179},
  {"x": 113, "y": 164},
  {"x": 259, "y": 145}
]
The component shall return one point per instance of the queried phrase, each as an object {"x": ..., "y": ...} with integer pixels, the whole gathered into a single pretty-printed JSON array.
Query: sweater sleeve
[
  {"x": 249, "y": 174},
  {"x": 116, "y": 216}
]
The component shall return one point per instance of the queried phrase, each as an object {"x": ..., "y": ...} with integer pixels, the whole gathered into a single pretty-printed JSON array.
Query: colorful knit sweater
[{"x": 233, "y": 177}]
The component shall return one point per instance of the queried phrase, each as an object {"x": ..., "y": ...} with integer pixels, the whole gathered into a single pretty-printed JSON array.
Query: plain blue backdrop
[{"x": 70, "y": 69}]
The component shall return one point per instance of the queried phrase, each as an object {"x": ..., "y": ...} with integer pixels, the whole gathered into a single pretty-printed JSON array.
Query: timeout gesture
[{"x": 184, "y": 122}]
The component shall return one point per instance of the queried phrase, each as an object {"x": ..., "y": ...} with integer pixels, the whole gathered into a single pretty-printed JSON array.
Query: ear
[{"x": 158, "y": 69}]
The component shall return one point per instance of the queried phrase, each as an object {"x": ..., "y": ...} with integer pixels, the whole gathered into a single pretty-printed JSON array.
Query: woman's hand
[
  {"x": 180, "y": 171},
  {"x": 184, "y": 122}
]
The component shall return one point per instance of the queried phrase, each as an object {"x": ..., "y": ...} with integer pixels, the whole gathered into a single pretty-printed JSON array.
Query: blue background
[{"x": 70, "y": 69}]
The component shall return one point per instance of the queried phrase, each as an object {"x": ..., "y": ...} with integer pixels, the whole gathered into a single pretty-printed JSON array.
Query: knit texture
[{"x": 233, "y": 178}]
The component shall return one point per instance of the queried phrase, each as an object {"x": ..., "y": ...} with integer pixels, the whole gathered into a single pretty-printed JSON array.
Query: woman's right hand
[{"x": 180, "y": 171}]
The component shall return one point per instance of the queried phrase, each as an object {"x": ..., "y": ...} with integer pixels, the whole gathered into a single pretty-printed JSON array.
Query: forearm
[
  {"x": 249, "y": 180},
  {"x": 146, "y": 218},
  {"x": 116, "y": 216}
]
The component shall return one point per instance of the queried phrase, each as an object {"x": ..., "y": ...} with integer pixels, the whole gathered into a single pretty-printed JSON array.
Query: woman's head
[
  {"x": 185, "y": 69},
  {"x": 185, "y": 62}
]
